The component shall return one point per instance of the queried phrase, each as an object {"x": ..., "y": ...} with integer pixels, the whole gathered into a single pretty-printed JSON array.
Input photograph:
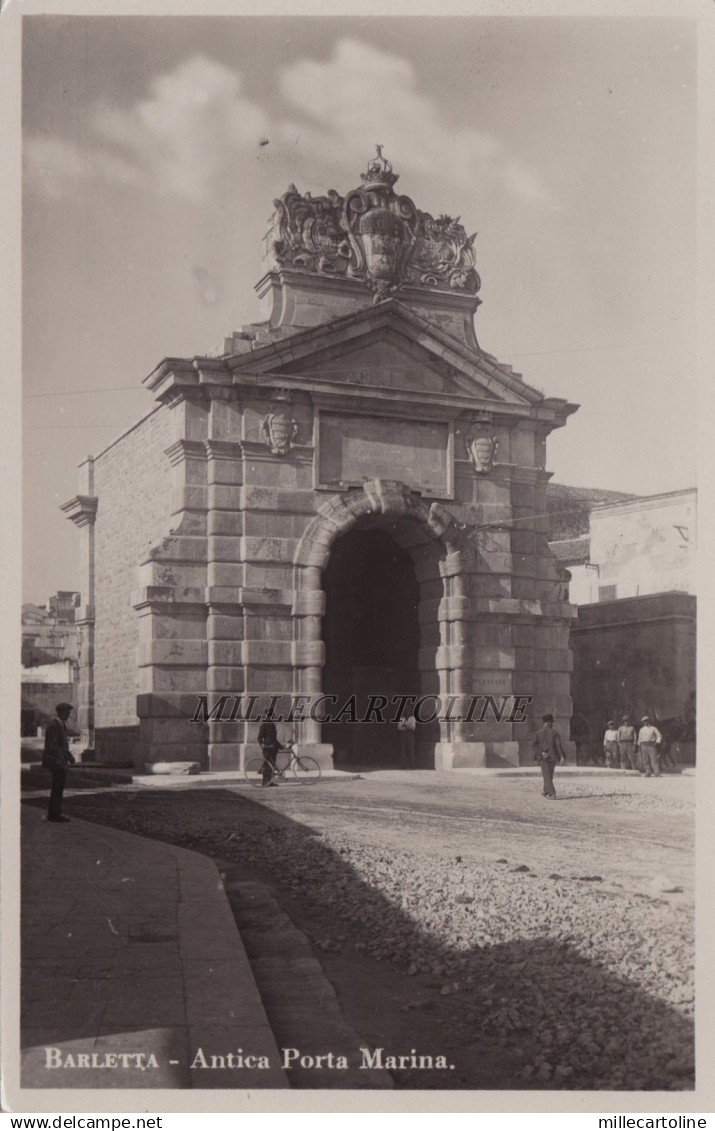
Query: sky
[{"x": 568, "y": 144}]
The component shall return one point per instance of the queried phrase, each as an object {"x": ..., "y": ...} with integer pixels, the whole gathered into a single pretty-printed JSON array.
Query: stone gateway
[{"x": 348, "y": 501}]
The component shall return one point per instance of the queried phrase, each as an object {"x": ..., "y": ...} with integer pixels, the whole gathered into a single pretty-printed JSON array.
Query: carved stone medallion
[
  {"x": 481, "y": 445},
  {"x": 278, "y": 427}
]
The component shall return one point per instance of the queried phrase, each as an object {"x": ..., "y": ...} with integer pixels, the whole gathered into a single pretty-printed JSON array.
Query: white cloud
[
  {"x": 197, "y": 124},
  {"x": 193, "y": 126},
  {"x": 362, "y": 96}
]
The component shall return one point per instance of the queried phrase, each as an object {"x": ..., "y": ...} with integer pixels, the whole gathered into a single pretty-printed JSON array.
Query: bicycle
[{"x": 258, "y": 771}]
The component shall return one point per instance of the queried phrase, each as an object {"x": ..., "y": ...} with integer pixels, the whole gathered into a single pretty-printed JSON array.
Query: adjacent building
[
  {"x": 50, "y": 655},
  {"x": 634, "y": 640}
]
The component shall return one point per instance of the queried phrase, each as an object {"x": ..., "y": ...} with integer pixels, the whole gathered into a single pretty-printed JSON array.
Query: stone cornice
[
  {"x": 81, "y": 510},
  {"x": 181, "y": 450},
  {"x": 178, "y": 379},
  {"x": 223, "y": 449}
]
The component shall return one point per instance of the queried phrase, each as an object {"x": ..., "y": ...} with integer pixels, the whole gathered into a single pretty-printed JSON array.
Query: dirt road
[{"x": 536, "y": 943}]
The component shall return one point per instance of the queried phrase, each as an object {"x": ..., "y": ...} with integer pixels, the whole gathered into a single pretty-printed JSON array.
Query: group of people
[{"x": 625, "y": 750}]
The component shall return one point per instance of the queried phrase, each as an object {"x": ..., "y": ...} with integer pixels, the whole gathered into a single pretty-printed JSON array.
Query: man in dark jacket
[
  {"x": 548, "y": 750},
  {"x": 268, "y": 741},
  {"x": 57, "y": 758}
]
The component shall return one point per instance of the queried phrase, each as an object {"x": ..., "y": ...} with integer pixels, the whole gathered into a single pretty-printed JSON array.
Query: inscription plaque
[{"x": 355, "y": 449}]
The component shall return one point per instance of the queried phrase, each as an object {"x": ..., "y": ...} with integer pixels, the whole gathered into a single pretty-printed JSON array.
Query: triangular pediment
[{"x": 388, "y": 347}]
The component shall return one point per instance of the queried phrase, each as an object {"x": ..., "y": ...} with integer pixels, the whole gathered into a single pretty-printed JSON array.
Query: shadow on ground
[{"x": 532, "y": 1012}]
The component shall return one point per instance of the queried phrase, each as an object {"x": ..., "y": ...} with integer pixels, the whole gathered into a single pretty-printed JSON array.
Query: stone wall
[
  {"x": 133, "y": 486},
  {"x": 632, "y": 656}
]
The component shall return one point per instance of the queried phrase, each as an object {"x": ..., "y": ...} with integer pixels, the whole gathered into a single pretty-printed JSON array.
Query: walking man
[
  {"x": 56, "y": 757},
  {"x": 627, "y": 744},
  {"x": 548, "y": 750},
  {"x": 649, "y": 739}
]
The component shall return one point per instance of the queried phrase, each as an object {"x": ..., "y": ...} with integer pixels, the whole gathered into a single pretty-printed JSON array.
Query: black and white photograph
[{"x": 356, "y": 686}]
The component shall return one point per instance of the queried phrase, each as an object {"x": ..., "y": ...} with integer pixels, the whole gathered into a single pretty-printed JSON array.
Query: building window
[{"x": 607, "y": 592}]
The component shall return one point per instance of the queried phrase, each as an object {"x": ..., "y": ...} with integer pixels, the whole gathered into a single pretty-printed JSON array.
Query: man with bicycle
[{"x": 269, "y": 744}]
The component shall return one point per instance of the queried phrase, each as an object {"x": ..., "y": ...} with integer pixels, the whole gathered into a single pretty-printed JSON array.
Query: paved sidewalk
[{"x": 131, "y": 964}]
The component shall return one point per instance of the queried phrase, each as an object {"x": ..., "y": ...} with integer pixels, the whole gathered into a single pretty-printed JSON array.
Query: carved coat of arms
[
  {"x": 374, "y": 235},
  {"x": 280, "y": 431},
  {"x": 382, "y": 228}
]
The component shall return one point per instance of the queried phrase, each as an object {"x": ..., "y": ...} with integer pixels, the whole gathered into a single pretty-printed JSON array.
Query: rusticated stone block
[
  {"x": 182, "y": 653},
  {"x": 226, "y": 498},
  {"x": 524, "y": 659},
  {"x": 189, "y": 497},
  {"x": 224, "y": 548},
  {"x": 225, "y": 653},
  {"x": 295, "y": 501},
  {"x": 168, "y": 573},
  {"x": 225, "y": 575},
  {"x": 179, "y": 705},
  {"x": 267, "y": 575},
  {"x": 267, "y": 652},
  {"x": 309, "y": 602},
  {"x": 268, "y": 627},
  {"x": 224, "y": 756},
  {"x": 268, "y": 549},
  {"x": 229, "y": 680},
  {"x": 168, "y": 627},
  {"x": 179, "y": 730},
  {"x": 485, "y": 635},
  {"x": 280, "y": 525},
  {"x": 226, "y": 628},
  {"x": 308, "y": 653},
  {"x": 273, "y": 680},
  {"x": 158, "y": 679}
]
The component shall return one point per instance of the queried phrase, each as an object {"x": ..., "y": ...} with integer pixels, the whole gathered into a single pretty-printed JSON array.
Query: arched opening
[{"x": 372, "y": 639}]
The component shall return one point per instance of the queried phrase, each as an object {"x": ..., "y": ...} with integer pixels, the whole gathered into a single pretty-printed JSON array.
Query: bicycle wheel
[
  {"x": 254, "y": 770},
  {"x": 306, "y": 770}
]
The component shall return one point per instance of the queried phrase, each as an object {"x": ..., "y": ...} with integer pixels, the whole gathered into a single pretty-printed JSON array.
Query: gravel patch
[{"x": 591, "y": 988}]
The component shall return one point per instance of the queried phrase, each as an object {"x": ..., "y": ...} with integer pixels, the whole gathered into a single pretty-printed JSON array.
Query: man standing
[
  {"x": 268, "y": 741},
  {"x": 649, "y": 739},
  {"x": 627, "y": 744},
  {"x": 56, "y": 757},
  {"x": 548, "y": 750},
  {"x": 610, "y": 745},
  {"x": 406, "y": 728}
]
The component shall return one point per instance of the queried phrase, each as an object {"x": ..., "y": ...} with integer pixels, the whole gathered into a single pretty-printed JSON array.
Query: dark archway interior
[{"x": 372, "y": 637}]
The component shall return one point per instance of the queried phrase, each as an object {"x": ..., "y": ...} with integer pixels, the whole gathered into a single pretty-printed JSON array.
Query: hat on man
[
  {"x": 63, "y": 707},
  {"x": 645, "y": 719},
  {"x": 626, "y": 719},
  {"x": 611, "y": 723},
  {"x": 547, "y": 718}
]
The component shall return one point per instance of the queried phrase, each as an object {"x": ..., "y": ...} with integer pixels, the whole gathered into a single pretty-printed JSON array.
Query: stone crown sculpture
[{"x": 373, "y": 235}]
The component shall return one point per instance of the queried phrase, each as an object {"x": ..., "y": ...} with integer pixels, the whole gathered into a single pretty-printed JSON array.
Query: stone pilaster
[
  {"x": 172, "y": 654},
  {"x": 82, "y": 511}
]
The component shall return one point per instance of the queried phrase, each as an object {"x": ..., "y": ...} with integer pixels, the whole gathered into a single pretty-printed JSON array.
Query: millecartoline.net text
[{"x": 362, "y": 709}]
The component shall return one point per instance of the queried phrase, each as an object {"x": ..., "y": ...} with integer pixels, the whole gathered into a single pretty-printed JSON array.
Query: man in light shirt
[
  {"x": 610, "y": 745},
  {"x": 649, "y": 739}
]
